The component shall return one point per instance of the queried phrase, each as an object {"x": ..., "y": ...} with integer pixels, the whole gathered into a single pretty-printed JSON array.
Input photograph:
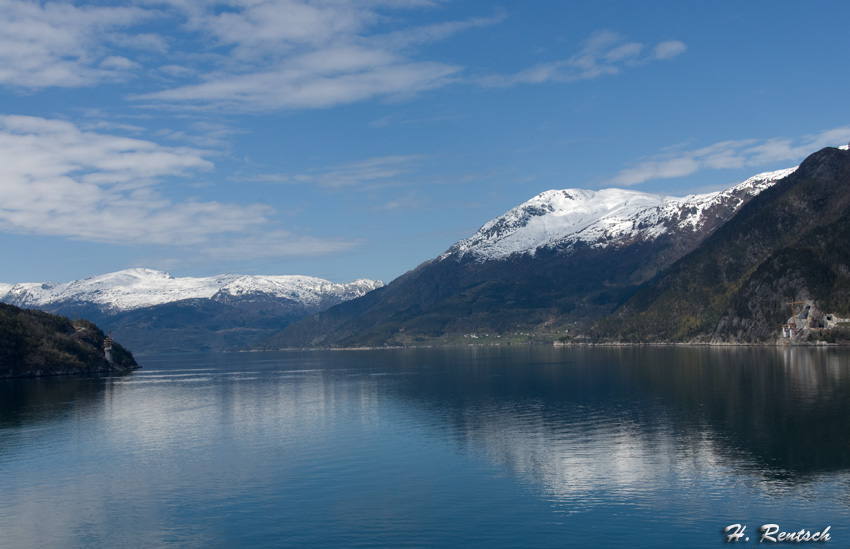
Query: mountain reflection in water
[
  {"x": 615, "y": 417},
  {"x": 477, "y": 446}
]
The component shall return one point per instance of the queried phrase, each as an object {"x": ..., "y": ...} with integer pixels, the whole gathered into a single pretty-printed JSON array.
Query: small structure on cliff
[
  {"x": 808, "y": 323},
  {"x": 107, "y": 347}
]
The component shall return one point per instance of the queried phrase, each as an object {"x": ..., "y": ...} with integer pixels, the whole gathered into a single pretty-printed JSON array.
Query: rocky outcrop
[{"x": 35, "y": 343}]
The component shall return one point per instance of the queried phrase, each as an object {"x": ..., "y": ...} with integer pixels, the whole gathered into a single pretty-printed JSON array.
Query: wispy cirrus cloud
[
  {"x": 435, "y": 33},
  {"x": 364, "y": 174},
  {"x": 668, "y": 50},
  {"x": 312, "y": 81},
  {"x": 605, "y": 53},
  {"x": 60, "y": 44},
  {"x": 267, "y": 55},
  {"x": 729, "y": 155},
  {"x": 59, "y": 180},
  {"x": 275, "y": 244},
  {"x": 290, "y": 54}
]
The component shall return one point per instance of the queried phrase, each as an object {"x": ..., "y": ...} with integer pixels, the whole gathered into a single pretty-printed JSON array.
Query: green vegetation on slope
[
  {"x": 35, "y": 343},
  {"x": 441, "y": 301},
  {"x": 790, "y": 243}
]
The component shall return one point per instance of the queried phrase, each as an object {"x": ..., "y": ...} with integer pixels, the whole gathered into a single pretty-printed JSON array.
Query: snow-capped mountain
[
  {"x": 608, "y": 217},
  {"x": 309, "y": 291},
  {"x": 152, "y": 311},
  {"x": 139, "y": 288},
  {"x": 557, "y": 262},
  {"x": 791, "y": 240}
]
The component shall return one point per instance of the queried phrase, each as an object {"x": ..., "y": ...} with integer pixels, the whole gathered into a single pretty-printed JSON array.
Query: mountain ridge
[
  {"x": 555, "y": 262},
  {"x": 151, "y": 311},
  {"x": 791, "y": 244},
  {"x": 560, "y": 263},
  {"x": 598, "y": 218},
  {"x": 139, "y": 288}
]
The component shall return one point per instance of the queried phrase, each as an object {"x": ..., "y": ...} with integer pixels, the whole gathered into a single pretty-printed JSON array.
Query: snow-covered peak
[
  {"x": 549, "y": 217},
  {"x": 560, "y": 218},
  {"x": 137, "y": 288},
  {"x": 305, "y": 289}
]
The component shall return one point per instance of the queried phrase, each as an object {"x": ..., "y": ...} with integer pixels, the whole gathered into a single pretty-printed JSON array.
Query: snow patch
[
  {"x": 137, "y": 288},
  {"x": 304, "y": 289},
  {"x": 600, "y": 218}
]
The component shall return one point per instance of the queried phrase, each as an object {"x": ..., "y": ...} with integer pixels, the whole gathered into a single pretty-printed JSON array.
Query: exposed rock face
[{"x": 791, "y": 243}]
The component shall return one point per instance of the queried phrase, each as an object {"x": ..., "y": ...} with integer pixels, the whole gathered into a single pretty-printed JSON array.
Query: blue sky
[{"x": 356, "y": 139}]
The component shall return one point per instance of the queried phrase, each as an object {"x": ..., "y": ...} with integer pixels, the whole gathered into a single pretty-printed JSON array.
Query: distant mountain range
[
  {"x": 549, "y": 267},
  {"x": 765, "y": 259},
  {"x": 150, "y": 310}
]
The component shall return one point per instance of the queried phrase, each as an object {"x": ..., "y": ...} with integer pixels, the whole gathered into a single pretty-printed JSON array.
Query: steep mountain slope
[
  {"x": 791, "y": 243},
  {"x": 556, "y": 262},
  {"x": 35, "y": 343},
  {"x": 152, "y": 311}
]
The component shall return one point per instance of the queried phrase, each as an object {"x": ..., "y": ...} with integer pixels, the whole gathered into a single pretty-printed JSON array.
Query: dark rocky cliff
[{"x": 34, "y": 343}]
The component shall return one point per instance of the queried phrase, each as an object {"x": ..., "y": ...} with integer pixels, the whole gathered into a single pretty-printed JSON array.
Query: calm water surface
[{"x": 514, "y": 447}]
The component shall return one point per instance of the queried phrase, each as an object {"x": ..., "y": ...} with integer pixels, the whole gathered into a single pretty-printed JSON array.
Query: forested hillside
[{"x": 34, "y": 343}]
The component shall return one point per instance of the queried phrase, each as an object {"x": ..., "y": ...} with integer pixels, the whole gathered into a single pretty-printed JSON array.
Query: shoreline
[
  {"x": 48, "y": 373},
  {"x": 820, "y": 344}
]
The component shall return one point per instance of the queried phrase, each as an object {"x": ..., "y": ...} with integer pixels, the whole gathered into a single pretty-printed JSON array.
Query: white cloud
[
  {"x": 624, "y": 52},
  {"x": 729, "y": 155},
  {"x": 604, "y": 53},
  {"x": 273, "y": 245},
  {"x": 288, "y": 54},
  {"x": 669, "y": 50},
  {"x": 59, "y": 44},
  {"x": 177, "y": 71},
  {"x": 118, "y": 63},
  {"x": 61, "y": 181},
  {"x": 359, "y": 75},
  {"x": 436, "y": 32},
  {"x": 263, "y": 55},
  {"x": 262, "y": 27},
  {"x": 407, "y": 203},
  {"x": 659, "y": 169},
  {"x": 147, "y": 42},
  {"x": 365, "y": 174}
]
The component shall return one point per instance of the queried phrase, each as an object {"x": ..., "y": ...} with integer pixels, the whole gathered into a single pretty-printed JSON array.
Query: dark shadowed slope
[
  {"x": 555, "y": 263},
  {"x": 791, "y": 243},
  {"x": 34, "y": 343}
]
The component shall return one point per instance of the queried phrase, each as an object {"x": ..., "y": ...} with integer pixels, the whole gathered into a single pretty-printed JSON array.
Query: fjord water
[{"x": 490, "y": 447}]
